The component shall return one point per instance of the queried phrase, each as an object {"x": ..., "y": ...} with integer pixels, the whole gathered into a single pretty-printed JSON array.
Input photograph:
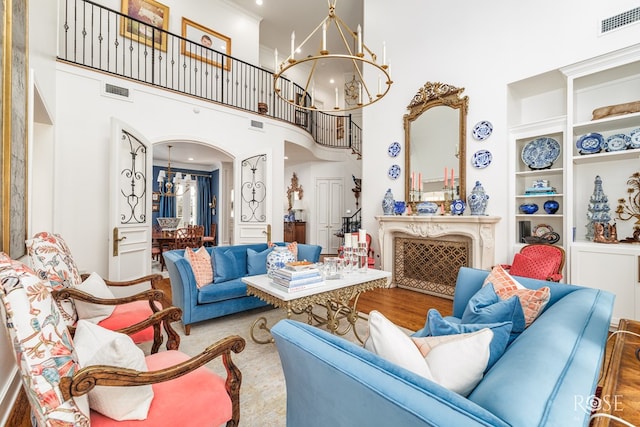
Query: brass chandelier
[{"x": 363, "y": 91}]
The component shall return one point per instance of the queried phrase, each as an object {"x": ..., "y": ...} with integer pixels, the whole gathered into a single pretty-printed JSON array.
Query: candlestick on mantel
[
  {"x": 445, "y": 177},
  {"x": 420, "y": 181},
  {"x": 452, "y": 181}
]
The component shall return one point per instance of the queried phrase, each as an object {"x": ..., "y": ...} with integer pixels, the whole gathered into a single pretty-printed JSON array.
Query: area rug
[{"x": 263, "y": 392}]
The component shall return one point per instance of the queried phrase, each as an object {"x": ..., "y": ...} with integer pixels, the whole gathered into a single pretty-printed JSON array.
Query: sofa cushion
[
  {"x": 257, "y": 261},
  {"x": 222, "y": 291},
  {"x": 486, "y": 307},
  {"x": 201, "y": 265},
  {"x": 95, "y": 286},
  {"x": 98, "y": 346},
  {"x": 532, "y": 301},
  {"x": 436, "y": 325}
]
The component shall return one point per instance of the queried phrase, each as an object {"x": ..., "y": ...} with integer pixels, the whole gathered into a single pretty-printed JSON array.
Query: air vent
[
  {"x": 116, "y": 90},
  {"x": 257, "y": 124},
  {"x": 620, "y": 20}
]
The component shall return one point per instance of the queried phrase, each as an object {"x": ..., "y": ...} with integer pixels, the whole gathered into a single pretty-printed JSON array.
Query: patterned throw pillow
[
  {"x": 51, "y": 259},
  {"x": 201, "y": 265},
  {"x": 42, "y": 343},
  {"x": 539, "y": 268},
  {"x": 533, "y": 301}
]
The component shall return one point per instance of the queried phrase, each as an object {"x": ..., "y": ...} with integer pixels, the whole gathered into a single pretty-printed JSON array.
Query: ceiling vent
[
  {"x": 117, "y": 92},
  {"x": 257, "y": 124},
  {"x": 620, "y": 20}
]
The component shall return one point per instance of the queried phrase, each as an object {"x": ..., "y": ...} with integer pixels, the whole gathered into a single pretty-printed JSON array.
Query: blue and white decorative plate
[
  {"x": 482, "y": 130},
  {"x": 394, "y": 149},
  {"x": 635, "y": 138},
  {"x": 457, "y": 207},
  {"x": 540, "y": 153},
  {"x": 590, "y": 143},
  {"x": 617, "y": 142},
  {"x": 481, "y": 159},
  {"x": 394, "y": 172}
]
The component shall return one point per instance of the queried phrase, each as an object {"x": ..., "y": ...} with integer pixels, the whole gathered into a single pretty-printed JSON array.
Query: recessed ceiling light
[
  {"x": 332, "y": 81},
  {"x": 286, "y": 157},
  {"x": 259, "y": 2},
  {"x": 190, "y": 159}
]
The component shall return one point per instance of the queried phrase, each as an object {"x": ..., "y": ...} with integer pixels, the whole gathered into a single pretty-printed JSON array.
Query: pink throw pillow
[{"x": 201, "y": 265}]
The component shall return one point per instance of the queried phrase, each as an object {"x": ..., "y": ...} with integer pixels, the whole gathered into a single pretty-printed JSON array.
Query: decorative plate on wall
[
  {"x": 482, "y": 130},
  {"x": 394, "y": 172},
  {"x": 394, "y": 149},
  {"x": 481, "y": 159}
]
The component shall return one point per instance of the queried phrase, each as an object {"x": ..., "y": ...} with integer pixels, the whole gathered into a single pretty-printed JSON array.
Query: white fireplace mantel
[{"x": 480, "y": 229}]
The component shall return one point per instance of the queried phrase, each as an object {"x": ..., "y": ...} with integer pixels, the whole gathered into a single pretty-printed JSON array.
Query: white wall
[{"x": 482, "y": 47}]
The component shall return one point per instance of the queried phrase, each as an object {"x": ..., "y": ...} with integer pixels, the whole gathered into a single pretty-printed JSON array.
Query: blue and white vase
[
  {"x": 388, "y": 203},
  {"x": 278, "y": 258},
  {"x": 478, "y": 200}
]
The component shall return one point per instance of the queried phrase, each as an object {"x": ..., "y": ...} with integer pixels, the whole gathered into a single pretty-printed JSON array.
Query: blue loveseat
[
  {"x": 545, "y": 378},
  {"x": 227, "y": 294}
]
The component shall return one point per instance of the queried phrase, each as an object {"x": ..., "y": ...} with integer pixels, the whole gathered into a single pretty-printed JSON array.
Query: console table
[
  {"x": 295, "y": 231},
  {"x": 620, "y": 396}
]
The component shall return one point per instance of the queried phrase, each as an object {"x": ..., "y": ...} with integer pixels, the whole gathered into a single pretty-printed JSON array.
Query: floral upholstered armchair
[
  {"x": 88, "y": 296},
  {"x": 90, "y": 379}
]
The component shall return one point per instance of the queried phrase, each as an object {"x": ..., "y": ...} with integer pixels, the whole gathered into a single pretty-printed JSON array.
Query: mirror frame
[{"x": 429, "y": 96}]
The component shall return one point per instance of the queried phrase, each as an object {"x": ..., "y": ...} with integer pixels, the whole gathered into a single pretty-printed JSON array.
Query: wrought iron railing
[
  {"x": 351, "y": 224},
  {"x": 103, "y": 39}
]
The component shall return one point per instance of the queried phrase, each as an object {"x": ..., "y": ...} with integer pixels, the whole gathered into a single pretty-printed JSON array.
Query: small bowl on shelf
[{"x": 528, "y": 208}]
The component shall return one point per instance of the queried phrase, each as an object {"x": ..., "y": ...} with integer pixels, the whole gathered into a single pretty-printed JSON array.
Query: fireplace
[{"x": 424, "y": 253}]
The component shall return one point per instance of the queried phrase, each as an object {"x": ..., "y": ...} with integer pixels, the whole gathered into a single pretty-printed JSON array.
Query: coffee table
[{"x": 338, "y": 296}]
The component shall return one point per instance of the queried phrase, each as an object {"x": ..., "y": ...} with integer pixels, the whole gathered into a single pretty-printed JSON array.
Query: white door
[
  {"x": 252, "y": 204},
  {"x": 329, "y": 208},
  {"x": 129, "y": 203}
]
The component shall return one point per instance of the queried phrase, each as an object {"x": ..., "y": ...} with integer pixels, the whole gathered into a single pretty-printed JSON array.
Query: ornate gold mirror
[
  {"x": 435, "y": 138},
  {"x": 294, "y": 192}
]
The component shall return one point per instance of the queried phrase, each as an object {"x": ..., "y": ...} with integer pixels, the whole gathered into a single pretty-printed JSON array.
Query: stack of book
[
  {"x": 291, "y": 280},
  {"x": 534, "y": 191}
]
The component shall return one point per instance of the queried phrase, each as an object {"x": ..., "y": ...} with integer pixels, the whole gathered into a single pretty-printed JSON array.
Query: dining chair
[
  {"x": 65, "y": 388},
  {"x": 141, "y": 314}
]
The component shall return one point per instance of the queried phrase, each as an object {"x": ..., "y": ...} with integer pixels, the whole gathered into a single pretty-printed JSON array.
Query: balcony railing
[{"x": 103, "y": 39}]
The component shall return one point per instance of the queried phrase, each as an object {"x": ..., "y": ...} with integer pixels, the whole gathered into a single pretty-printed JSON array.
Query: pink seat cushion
[
  {"x": 195, "y": 399},
  {"x": 128, "y": 314},
  {"x": 539, "y": 268}
]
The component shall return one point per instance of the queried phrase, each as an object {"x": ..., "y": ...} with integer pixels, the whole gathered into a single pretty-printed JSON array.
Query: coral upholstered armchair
[
  {"x": 100, "y": 377},
  {"x": 88, "y": 296}
]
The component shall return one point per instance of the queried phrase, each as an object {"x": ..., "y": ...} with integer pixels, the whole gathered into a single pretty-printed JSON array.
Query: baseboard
[{"x": 9, "y": 395}]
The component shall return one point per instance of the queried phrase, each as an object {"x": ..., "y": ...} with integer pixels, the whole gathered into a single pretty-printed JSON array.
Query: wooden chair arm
[
  {"x": 151, "y": 295},
  {"x": 101, "y": 375},
  {"x": 163, "y": 317},
  {"x": 153, "y": 278}
]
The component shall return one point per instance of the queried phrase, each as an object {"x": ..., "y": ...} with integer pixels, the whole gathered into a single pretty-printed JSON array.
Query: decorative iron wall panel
[
  {"x": 133, "y": 180},
  {"x": 429, "y": 265},
  {"x": 254, "y": 190}
]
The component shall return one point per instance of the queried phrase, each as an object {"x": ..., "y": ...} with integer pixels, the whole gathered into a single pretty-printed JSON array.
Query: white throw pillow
[
  {"x": 391, "y": 343},
  {"x": 94, "y": 313},
  {"x": 457, "y": 362},
  {"x": 96, "y": 345}
]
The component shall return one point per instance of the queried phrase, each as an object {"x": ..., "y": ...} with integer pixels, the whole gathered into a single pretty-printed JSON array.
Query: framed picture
[
  {"x": 155, "y": 197},
  {"x": 13, "y": 127},
  {"x": 155, "y": 207},
  {"x": 151, "y": 14},
  {"x": 200, "y": 41}
]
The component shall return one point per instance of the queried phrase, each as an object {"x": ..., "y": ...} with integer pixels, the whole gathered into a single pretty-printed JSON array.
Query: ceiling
[{"x": 279, "y": 19}]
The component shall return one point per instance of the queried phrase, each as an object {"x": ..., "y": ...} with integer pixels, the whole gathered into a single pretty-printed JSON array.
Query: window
[{"x": 187, "y": 202}]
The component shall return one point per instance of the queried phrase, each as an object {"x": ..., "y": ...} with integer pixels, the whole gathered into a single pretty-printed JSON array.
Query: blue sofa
[
  {"x": 545, "y": 377},
  {"x": 227, "y": 294}
]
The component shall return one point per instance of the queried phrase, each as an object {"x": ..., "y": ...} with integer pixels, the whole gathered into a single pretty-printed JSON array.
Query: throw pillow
[
  {"x": 391, "y": 343},
  {"x": 533, "y": 300},
  {"x": 201, "y": 265},
  {"x": 436, "y": 326},
  {"x": 98, "y": 346},
  {"x": 486, "y": 307},
  {"x": 540, "y": 268},
  {"x": 95, "y": 286},
  {"x": 457, "y": 362},
  {"x": 225, "y": 266},
  {"x": 293, "y": 248},
  {"x": 257, "y": 261}
]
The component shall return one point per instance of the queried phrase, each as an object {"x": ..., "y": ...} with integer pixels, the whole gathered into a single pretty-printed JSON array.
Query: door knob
[{"x": 116, "y": 241}]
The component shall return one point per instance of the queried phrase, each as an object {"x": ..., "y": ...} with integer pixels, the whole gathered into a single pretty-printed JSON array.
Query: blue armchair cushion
[
  {"x": 486, "y": 307},
  {"x": 257, "y": 261},
  {"x": 225, "y": 266},
  {"x": 436, "y": 325}
]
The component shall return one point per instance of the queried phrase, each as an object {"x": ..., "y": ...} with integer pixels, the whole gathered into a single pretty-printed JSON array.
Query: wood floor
[{"x": 403, "y": 307}]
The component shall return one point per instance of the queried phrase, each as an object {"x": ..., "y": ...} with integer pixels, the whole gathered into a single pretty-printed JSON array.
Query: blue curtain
[
  {"x": 167, "y": 207},
  {"x": 204, "y": 198}
]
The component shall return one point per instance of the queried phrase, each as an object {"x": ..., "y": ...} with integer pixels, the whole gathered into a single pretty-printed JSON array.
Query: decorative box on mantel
[{"x": 425, "y": 252}]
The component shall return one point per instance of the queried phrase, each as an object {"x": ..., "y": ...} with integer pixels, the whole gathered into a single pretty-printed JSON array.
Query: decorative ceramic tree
[{"x": 598, "y": 210}]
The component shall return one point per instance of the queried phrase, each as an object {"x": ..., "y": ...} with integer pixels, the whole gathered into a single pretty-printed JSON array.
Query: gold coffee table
[{"x": 339, "y": 297}]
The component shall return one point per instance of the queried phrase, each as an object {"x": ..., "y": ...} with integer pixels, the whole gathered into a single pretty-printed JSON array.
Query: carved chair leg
[{"x": 173, "y": 339}]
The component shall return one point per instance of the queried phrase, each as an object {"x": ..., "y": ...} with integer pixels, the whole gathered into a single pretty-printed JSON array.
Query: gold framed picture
[
  {"x": 155, "y": 197},
  {"x": 200, "y": 41},
  {"x": 151, "y": 14}
]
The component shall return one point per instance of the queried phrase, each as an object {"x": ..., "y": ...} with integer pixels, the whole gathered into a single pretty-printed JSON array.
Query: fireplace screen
[{"x": 430, "y": 265}]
